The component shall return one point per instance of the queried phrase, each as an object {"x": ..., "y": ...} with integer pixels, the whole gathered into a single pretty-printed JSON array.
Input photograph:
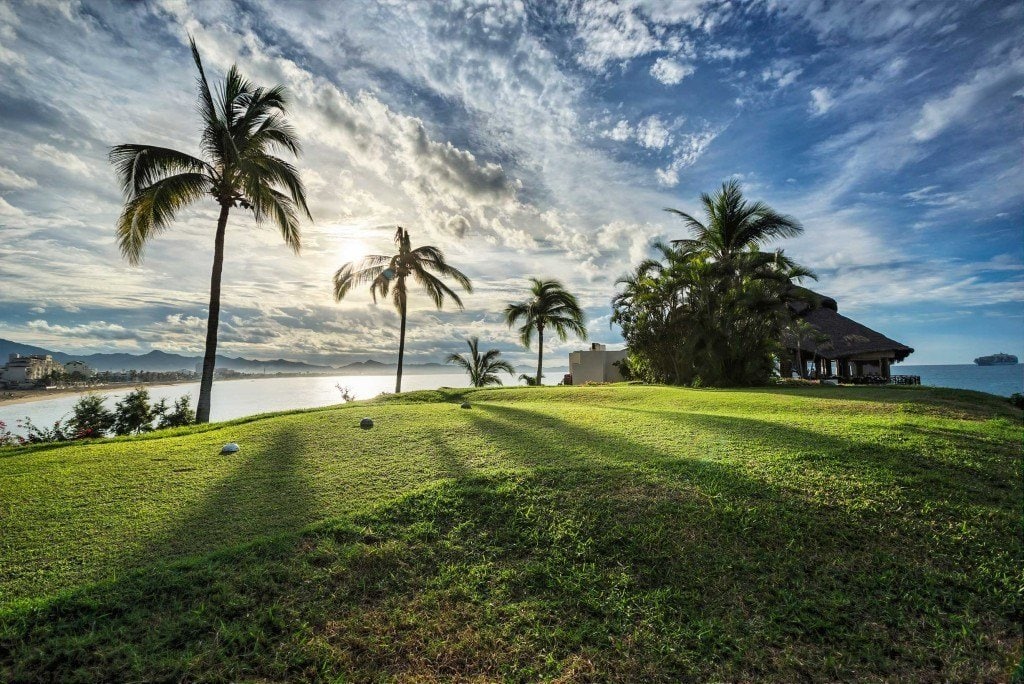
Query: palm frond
[
  {"x": 139, "y": 166},
  {"x": 153, "y": 208}
]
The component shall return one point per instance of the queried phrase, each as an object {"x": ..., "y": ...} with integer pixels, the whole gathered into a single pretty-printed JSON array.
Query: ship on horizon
[{"x": 999, "y": 359}]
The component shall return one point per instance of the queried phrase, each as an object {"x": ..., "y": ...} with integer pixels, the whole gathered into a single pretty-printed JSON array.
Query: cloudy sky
[{"x": 524, "y": 139}]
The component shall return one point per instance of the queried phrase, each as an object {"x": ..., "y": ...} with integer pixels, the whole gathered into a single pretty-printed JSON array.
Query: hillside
[
  {"x": 595, "y": 533},
  {"x": 160, "y": 361}
]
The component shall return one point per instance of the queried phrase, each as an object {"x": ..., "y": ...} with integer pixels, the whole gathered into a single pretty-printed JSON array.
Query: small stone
[
  {"x": 366, "y": 423},
  {"x": 230, "y": 448},
  {"x": 465, "y": 404}
]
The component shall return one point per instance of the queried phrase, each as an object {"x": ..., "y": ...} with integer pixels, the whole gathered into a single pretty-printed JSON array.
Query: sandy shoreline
[{"x": 10, "y": 397}]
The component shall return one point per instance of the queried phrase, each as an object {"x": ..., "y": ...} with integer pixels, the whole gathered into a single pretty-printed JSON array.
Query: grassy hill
[{"x": 615, "y": 532}]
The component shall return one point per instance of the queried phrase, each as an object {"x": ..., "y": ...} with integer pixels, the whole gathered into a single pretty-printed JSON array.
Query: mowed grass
[{"x": 598, "y": 533}]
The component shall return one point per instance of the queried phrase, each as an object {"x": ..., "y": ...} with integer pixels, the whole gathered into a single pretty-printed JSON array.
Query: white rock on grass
[{"x": 230, "y": 448}]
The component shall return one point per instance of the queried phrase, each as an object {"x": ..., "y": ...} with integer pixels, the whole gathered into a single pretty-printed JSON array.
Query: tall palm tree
[
  {"x": 482, "y": 368},
  {"x": 732, "y": 225},
  {"x": 389, "y": 273},
  {"x": 244, "y": 125},
  {"x": 550, "y": 306}
]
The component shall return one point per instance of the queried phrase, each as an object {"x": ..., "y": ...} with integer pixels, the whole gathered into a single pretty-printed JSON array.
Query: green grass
[{"x": 600, "y": 533}]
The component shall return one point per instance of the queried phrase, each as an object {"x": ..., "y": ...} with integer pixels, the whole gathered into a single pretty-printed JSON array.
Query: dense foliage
[
  {"x": 133, "y": 415},
  {"x": 90, "y": 418},
  {"x": 713, "y": 309}
]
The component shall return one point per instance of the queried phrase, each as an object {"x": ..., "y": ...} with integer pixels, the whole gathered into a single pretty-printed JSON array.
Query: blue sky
[{"x": 524, "y": 139}]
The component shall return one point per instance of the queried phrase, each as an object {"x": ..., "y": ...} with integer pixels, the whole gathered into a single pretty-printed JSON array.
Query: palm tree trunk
[
  {"x": 401, "y": 350},
  {"x": 212, "y": 320},
  {"x": 540, "y": 353}
]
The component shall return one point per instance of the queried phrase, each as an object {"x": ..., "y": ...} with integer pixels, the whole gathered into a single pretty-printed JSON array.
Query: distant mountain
[{"x": 160, "y": 361}]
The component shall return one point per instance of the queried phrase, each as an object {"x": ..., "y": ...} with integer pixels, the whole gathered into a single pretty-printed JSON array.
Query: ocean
[{"x": 1001, "y": 380}]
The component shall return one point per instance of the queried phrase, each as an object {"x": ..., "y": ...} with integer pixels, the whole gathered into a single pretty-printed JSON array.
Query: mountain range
[{"x": 160, "y": 361}]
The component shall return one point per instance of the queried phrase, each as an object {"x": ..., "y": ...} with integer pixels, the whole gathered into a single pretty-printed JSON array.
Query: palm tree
[
  {"x": 482, "y": 368},
  {"x": 733, "y": 225},
  {"x": 800, "y": 333},
  {"x": 243, "y": 126},
  {"x": 380, "y": 270},
  {"x": 551, "y": 306}
]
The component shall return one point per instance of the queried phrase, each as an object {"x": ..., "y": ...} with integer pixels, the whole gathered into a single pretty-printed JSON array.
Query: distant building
[
  {"x": 596, "y": 364},
  {"x": 21, "y": 370},
  {"x": 80, "y": 367}
]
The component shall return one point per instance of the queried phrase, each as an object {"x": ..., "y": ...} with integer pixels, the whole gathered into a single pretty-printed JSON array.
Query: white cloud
[
  {"x": 686, "y": 153},
  {"x": 821, "y": 101},
  {"x": 940, "y": 113},
  {"x": 65, "y": 160},
  {"x": 669, "y": 71},
  {"x": 652, "y": 133},
  {"x": 729, "y": 54},
  {"x": 11, "y": 179},
  {"x": 610, "y": 33},
  {"x": 782, "y": 73},
  {"x": 7, "y": 209},
  {"x": 621, "y": 132},
  {"x": 616, "y": 32}
]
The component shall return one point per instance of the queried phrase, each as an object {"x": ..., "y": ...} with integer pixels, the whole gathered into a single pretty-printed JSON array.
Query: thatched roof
[{"x": 846, "y": 337}]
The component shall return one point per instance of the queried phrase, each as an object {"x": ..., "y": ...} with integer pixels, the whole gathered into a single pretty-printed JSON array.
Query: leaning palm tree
[
  {"x": 482, "y": 368},
  {"x": 732, "y": 225},
  {"x": 389, "y": 273},
  {"x": 550, "y": 306},
  {"x": 244, "y": 125}
]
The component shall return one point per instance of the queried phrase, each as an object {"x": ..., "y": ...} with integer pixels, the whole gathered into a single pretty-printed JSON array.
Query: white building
[
  {"x": 29, "y": 369},
  {"x": 596, "y": 364},
  {"x": 78, "y": 367}
]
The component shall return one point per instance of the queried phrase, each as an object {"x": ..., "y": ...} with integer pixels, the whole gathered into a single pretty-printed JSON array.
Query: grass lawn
[{"x": 598, "y": 533}]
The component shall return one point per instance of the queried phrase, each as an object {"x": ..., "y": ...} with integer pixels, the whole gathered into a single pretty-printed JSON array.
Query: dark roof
[{"x": 846, "y": 337}]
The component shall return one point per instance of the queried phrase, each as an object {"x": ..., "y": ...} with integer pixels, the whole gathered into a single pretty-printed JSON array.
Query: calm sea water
[
  {"x": 237, "y": 398},
  {"x": 1001, "y": 380}
]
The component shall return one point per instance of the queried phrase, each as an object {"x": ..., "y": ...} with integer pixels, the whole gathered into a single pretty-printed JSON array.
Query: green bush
[
  {"x": 90, "y": 418},
  {"x": 178, "y": 416},
  {"x": 133, "y": 414}
]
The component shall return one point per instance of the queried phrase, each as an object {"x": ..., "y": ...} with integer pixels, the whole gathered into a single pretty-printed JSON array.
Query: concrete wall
[{"x": 595, "y": 365}]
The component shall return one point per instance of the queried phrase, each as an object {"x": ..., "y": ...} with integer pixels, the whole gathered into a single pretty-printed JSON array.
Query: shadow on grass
[
  {"x": 613, "y": 560},
  {"x": 947, "y": 474},
  {"x": 583, "y": 576},
  {"x": 971, "y": 403},
  {"x": 266, "y": 492}
]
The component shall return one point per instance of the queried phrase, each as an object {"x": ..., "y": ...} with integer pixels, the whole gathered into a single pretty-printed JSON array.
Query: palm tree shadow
[{"x": 266, "y": 493}]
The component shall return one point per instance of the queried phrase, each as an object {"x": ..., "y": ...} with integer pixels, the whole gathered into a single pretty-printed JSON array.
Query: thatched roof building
[{"x": 837, "y": 346}]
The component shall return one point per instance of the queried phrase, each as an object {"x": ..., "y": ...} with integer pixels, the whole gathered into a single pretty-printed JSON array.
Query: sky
[{"x": 524, "y": 139}]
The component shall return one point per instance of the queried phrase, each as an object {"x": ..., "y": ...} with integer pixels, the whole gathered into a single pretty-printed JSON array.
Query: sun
[{"x": 352, "y": 249}]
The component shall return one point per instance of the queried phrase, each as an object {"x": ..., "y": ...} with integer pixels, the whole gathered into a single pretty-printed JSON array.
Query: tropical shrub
[
  {"x": 7, "y": 437},
  {"x": 134, "y": 414},
  {"x": 179, "y": 415},
  {"x": 483, "y": 368},
  {"x": 35, "y": 434},
  {"x": 90, "y": 418}
]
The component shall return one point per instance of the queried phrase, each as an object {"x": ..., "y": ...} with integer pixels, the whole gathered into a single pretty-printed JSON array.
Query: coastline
[{"x": 12, "y": 397}]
